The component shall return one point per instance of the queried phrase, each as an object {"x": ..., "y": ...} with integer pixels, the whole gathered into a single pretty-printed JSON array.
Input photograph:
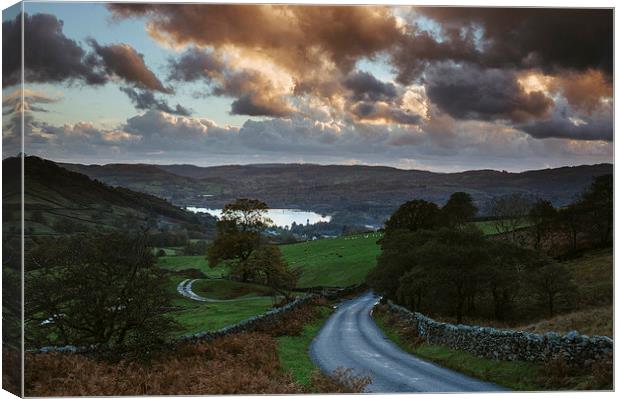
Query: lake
[{"x": 280, "y": 217}]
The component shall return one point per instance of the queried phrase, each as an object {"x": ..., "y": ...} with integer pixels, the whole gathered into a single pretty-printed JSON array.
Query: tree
[
  {"x": 597, "y": 202},
  {"x": 572, "y": 220},
  {"x": 453, "y": 262},
  {"x": 508, "y": 212},
  {"x": 504, "y": 274},
  {"x": 101, "y": 289},
  {"x": 442, "y": 267},
  {"x": 542, "y": 215},
  {"x": 415, "y": 215},
  {"x": 550, "y": 281},
  {"x": 459, "y": 209},
  {"x": 269, "y": 268},
  {"x": 239, "y": 233}
]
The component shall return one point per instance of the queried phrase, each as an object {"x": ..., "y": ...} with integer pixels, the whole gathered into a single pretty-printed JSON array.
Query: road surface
[
  {"x": 185, "y": 289},
  {"x": 351, "y": 339}
]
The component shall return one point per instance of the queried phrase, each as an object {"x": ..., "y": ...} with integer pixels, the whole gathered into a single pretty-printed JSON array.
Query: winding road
[
  {"x": 185, "y": 289},
  {"x": 351, "y": 339}
]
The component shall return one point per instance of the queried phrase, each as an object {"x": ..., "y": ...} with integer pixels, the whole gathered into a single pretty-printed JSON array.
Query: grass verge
[{"x": 293, "y": 351}]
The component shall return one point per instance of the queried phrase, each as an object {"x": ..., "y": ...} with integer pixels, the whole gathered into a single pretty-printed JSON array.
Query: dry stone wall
[{"x": 499, "y": 344}]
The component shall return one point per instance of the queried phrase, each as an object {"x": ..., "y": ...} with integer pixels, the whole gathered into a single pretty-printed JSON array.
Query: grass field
[
  {"x": 199, "y": 317},
  {"x": 294, "y": 351},
  {"x": 338, "y": 261},
  {"x": 227, "y": 289},
  {"x": 194, "y": 316}
]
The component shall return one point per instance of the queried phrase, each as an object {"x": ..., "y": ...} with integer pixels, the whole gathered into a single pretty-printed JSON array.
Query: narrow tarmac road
[
  {"x": 351, "y": 339},
  {"x": 185, "y": 289}
]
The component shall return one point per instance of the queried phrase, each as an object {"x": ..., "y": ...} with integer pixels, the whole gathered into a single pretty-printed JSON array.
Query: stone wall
[
  {"x": 252, "y": 323},
  {"x": 499, "y": 344},
  {"x": 246, "y": 325}
]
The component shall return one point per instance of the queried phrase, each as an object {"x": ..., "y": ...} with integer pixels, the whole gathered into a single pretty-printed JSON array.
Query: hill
[
  {"x": 350, "y": 193},
  {"x": 62, "y": 201}
]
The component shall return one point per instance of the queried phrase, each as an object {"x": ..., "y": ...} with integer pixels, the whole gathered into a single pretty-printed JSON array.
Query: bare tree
[{"x": 509, "y": 212}]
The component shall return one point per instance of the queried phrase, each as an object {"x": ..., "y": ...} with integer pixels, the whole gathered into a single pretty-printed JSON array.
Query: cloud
[
  {"x": 195, "y": 64},
  {"x": 125, "y": 62},
  {"x": 161, "y": 137},
  {"x": 467, "y": 92},
  {"x": 144, "y": 99},
  {"x": 255, "y": 92},
  {"x": 547, "y": 38},
  {"x": 49, "y": 55},
  {"x": 294, "y": 36},
  {"x": 585, "y": 91},
  {"x": 18, "y": 101},
  {"x": 572, "y": 127},
  {"x": 365, "y": 86}
]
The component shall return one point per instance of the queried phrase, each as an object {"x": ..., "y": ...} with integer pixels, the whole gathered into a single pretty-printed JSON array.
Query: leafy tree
[
  {"x": 572, "y": 220},
  {"x": 453, "y": 262},
  {"x": 270, "y": 268},
  {"x": 459, "y": 209},
  {"x": 597, "y": 202},
  {"x": 101, "y": 290},
  {"x": 415, "y": 215},
  {"x": 504, "y": 275},
  {"x": 542, "y": 215},
  {"x": 509, "y": 212},
  {"x": 443, "y": 267},
  {"x": 549, "y": 281},
  {"x": 238, "y": 235}
]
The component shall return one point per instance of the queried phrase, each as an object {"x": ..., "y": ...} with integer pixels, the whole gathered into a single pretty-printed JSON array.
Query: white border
[{"x": 481, "y": 3}]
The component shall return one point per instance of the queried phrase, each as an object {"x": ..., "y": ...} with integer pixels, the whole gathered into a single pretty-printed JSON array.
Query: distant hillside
[
  {"x": 61, "y": 201},
  {"x": 373, "y": 190}
]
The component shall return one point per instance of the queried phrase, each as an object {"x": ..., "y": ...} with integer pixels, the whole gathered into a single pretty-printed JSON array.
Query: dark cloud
[
  {"x": 52, "y": 57},
  {"x": 573, "y": 128},
  {"x": 367, "y": 111},
  {"x": 365, "y": 87},
  {"x": 125, "y": 62},
  {"x": 414, "y": 51},
  {"x": 546, "y": 38},
  {"x": 49, "y": 55},
  {"x": 195, "y": 64},
  {"x": 467, "y": 92},
  {"x": 144, "y": 99},
  {"x": 251, "y": 104}
]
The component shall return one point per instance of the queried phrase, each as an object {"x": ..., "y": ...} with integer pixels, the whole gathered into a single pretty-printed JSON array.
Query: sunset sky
[{"x": 443, "y": 89}]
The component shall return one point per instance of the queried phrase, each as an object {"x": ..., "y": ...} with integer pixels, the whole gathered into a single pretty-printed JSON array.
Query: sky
[{"x": 442, "y": 89}]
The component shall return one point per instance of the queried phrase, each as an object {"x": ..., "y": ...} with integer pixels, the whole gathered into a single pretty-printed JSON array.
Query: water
[{"x": 280, "y": 217}]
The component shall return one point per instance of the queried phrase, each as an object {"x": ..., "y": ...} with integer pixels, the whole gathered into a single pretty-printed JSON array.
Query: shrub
[
  {"x": 340, "y": 381},
  {"x": 229, "y": 365}
]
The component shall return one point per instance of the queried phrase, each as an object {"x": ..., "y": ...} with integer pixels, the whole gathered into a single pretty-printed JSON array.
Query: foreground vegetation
[
  {"x": 228, "y": 365},
  {"x": 516, "y": 375},
  {"x": 294, "y": 350}
]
